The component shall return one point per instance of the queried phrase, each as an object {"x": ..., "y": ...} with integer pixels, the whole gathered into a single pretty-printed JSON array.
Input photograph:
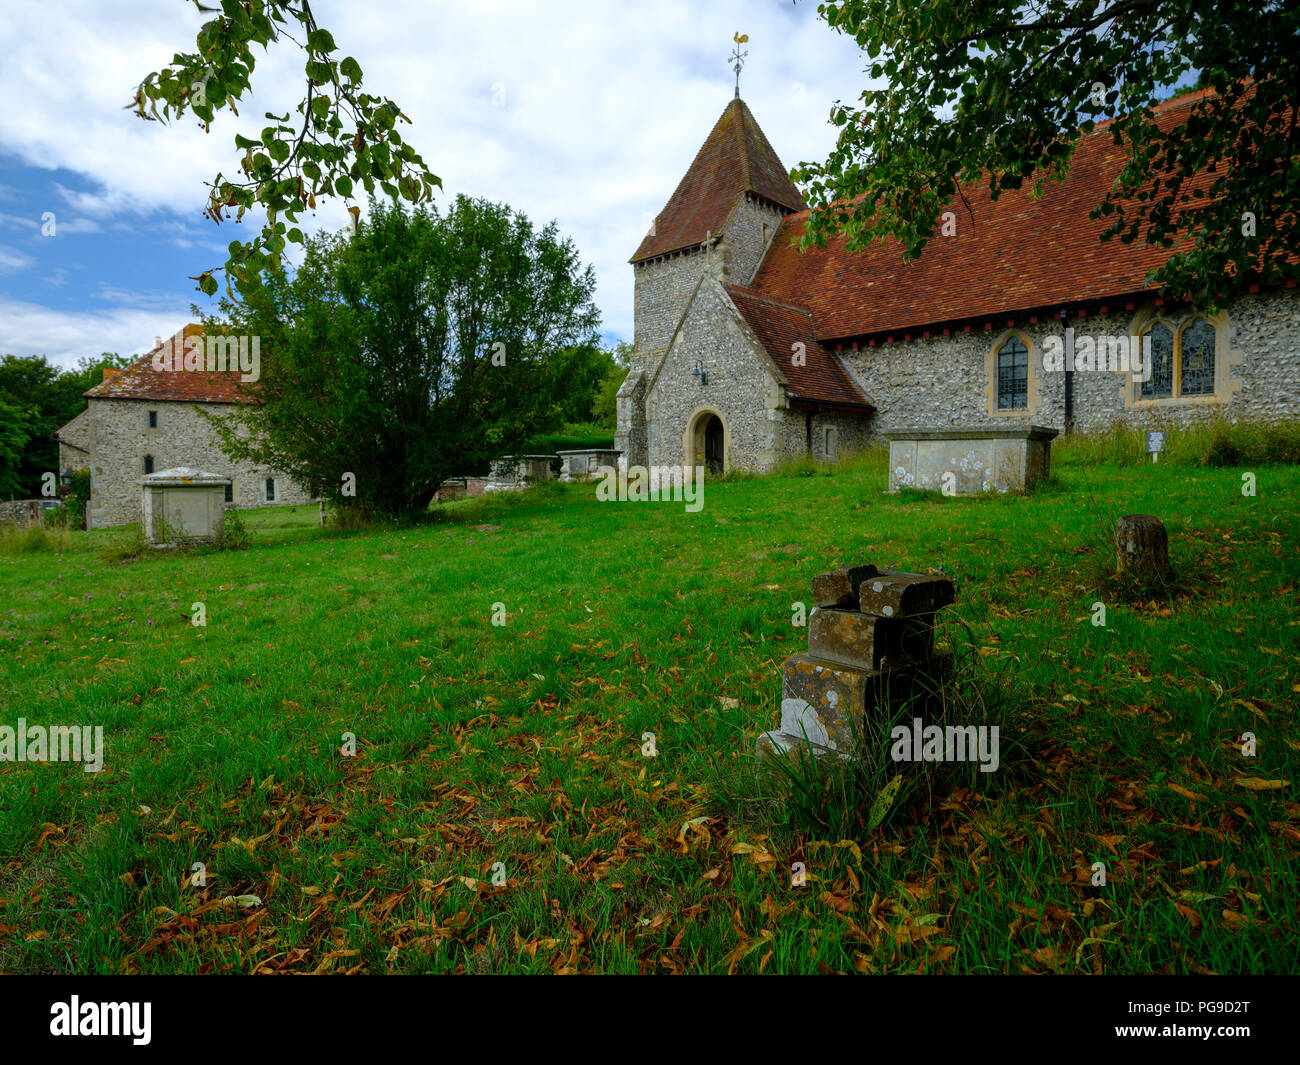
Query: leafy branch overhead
[
  {"x": 1002, "y": 91},
  {"x": 342, "y": 138}
]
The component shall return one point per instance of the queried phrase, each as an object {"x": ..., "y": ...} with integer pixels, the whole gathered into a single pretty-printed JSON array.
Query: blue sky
[{"x": 605, "y": 104}]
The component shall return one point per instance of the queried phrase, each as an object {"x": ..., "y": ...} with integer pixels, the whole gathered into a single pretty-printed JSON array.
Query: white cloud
[
  {"x": 604, "y": 104},
  {"x": 15, "y": 221},
  {"x": 11, "y": 259},
  {"x": 66, "y": 336}
]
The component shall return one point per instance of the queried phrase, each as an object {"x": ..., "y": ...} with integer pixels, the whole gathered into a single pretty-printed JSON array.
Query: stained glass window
[
  {"x": 1013, "y": 375},
  {"x": 1160, "y": 385},
  {"x": 1198, "y": 359}
]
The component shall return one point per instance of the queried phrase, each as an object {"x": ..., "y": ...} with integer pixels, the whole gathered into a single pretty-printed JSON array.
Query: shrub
[
  {"x": 550, "y": 443},
  {"x": 233, "y": 535},
  {"x": 1223, "y": 449},
  {"x": 76, "y": 500}
]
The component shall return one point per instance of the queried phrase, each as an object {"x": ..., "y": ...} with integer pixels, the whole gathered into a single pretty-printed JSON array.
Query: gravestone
[
  {"x": 585, "y": 464},
  {"x": 870, "y": 647}
]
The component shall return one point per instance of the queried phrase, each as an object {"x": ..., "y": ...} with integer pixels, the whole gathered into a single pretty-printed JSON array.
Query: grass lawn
[{"x": 514, "y": 752}]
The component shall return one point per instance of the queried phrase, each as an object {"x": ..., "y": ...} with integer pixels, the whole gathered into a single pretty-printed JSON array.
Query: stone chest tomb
[
  {"x": 183, "y": 505},
  {"x": 970, "y": 461}
]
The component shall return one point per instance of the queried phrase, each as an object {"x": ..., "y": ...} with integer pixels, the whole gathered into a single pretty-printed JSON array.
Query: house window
[
  {"x": 148, "y": 464},
  {"x": 153, "y": 419},
  {"x": 1183, "y": 360},
  {"x": 270, "y": 489},
  {"x": 1013, "y": 375},
  {"x": 230, "y": 493}
]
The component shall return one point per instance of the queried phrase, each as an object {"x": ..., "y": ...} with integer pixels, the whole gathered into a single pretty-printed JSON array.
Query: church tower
[
  {"x": 719, "y": 221},
  {"x": 720, "y": 218}
]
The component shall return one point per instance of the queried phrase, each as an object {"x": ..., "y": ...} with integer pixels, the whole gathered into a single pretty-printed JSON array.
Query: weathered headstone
[
  {"x": 840, "y": 587},
  {"x": 867, "y": 641},
  {"x": 870, "y": 646}
]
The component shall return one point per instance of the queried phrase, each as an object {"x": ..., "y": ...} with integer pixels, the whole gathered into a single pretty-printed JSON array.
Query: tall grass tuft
[
  {"x": 33, "y": 539},
  {"x": 1211, "y": 442},
  {"x": 871, "y": 459}
]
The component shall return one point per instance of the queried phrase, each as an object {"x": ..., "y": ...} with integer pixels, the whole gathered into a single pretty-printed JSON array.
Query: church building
[{"x": 749, "y": 352}]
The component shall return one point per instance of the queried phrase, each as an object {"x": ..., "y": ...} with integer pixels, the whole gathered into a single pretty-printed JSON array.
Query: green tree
[
  {"x": 421, "y": 347},
  {"x": 15, "y": 432},
  {"x": 344, "y": 138},
  {"x": 46, "y": 398},
  {"x": 604, "y": 409},
  {"x": 1002, "y": 90},
  {"x": 582, "y": 369}
]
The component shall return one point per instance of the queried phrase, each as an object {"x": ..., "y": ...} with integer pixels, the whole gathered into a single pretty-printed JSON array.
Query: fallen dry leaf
[{"x": 1259, "y": 784}]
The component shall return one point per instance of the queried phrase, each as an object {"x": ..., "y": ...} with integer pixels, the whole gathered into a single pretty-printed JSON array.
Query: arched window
[
  {"x": 1184, "y": 358},
  {"x": 1198, "y": 358},
  {"x": 1013, "y": 375},
  {"x": 1160, "y": 383}
]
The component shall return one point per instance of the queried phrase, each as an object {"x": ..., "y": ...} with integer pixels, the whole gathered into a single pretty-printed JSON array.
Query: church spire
[
  {"x": 738, "y": 57},
  {"x": 734, "y": 161}
]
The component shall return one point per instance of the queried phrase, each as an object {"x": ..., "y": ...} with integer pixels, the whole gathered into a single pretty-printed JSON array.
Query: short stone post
[
  {"x": 870, "y": 644},
  {"x": 1141, "y": 546}
]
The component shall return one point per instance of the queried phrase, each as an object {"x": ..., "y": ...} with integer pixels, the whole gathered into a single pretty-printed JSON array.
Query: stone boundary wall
[
  {"x": 460, "y": 488},
  {"x": 22, "y": 512}
]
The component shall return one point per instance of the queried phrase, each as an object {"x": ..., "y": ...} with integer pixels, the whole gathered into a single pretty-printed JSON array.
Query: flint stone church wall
[
  {"x": 739, "y": 389},
  {"x": 949, "y": 381}
]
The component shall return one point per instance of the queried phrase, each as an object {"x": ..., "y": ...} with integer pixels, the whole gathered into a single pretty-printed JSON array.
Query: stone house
[
  {"x": 74, "y": 439},
  {"x": 749, "y": 352},
  {"x": 143, "y": 419}
]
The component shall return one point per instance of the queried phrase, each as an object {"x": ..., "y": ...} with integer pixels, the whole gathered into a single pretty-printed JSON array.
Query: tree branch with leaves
[
  {"x": 345, "y": 139},
  {"x": 1000, "y": 92}
]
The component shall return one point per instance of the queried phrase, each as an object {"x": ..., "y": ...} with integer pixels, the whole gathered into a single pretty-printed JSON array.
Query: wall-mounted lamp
[{"x": 700, "y": 373}]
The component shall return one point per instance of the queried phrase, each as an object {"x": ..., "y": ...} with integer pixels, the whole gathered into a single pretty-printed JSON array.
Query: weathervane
[{"x": 738, "y": 57}]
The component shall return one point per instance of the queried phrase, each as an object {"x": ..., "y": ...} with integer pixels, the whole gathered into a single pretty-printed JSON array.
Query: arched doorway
[
  {"x": 713, "y": 438},
  {"x": 706, "y": 442}
]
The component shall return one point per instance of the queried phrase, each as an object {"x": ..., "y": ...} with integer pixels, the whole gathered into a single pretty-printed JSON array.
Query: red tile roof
[
  {"x": 736, "y": 158},
  {"x": 779, "y": 326},
  {"x": 1014, "y": 254},
  {"x": 141, "y": 380}
]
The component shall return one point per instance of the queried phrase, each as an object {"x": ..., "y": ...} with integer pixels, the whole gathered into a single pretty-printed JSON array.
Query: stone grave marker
[{"x": 870, "y": 646}]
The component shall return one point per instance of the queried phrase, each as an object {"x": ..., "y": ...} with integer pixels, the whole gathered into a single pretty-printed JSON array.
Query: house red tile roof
[
  {"x": 779, "y": 326},
  {"x": 141, "y": 380},
  {"x": 736, "y": 158},
  {"x": 1014, "y": 254}
]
